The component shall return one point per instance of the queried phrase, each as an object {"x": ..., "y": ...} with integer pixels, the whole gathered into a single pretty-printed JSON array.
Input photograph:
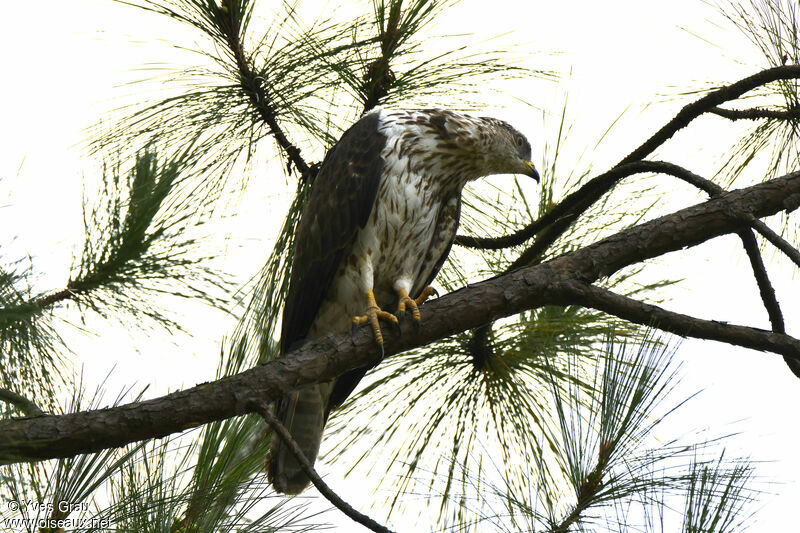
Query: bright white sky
[{"x": 62, "y": 63}]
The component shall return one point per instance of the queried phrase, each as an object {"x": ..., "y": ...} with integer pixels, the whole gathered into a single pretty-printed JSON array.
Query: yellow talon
[
  {"x": 427, "y": 292},
  {"x": 373, "y": 316},
  {"x": 411, "y": 303}
]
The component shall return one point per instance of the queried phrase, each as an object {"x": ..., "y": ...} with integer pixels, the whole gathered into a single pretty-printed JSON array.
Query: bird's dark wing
[
  {"x": 438, "y": 250},
  {"x": 447, "y": 228},
  {"x": 341, "y": 200}
]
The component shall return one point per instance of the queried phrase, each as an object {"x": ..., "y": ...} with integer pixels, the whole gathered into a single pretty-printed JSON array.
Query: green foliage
[
  {"x": 63, "y": 487},
  {"x": 205, "y": 483},
  {"x": 718, "y": 496},
  {"x": 141, "y": 240},
  {"x": 254, "y": 335},
  {"x": 30, "y": 345},
  {"x": 610, "y": 468}
]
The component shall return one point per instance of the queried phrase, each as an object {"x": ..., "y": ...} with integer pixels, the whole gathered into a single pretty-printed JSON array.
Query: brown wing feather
[
  {"x": 341, "y": 201},
  {"x": 443, "y": 256}
]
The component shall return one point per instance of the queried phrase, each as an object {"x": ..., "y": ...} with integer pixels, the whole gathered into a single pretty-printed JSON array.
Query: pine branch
[
  {"x": 766, "y": 291},
  {"x": 553, "y": 224},
  {"x": 379, "y": 76},
  {"x": 506, "y": 295},
  {"x": 254, "y": 87},
  {"x": 591, "y": 486},
  {"x": 584, "y": 294},
  {"x": 308, "y": 469},
  {"x": 710, "y": 101},
  {"x": 26, "y": 406},
  {"x": 750, "y": 245}
]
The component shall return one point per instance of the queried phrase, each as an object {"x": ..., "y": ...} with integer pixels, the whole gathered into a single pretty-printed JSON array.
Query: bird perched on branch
[{"x": 380, "y": 221}]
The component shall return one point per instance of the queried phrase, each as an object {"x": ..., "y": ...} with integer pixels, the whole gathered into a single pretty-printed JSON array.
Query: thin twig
[
  {"x": 757, "y": 113},
  {"x": 713, "y": 189},
  {"x": 309, "y": 471},
  {"x": 552, "y": 224},
  {"x": 708, "y": 102},
  {"x": 532, "y": 254},
  {"x": 26, "y": 406},
  {"x": 762, "y": 279},
  {"x": 767, "y": 292},
  {"x": 779, "y": 242},
  {"x": 53, "y": 298}
]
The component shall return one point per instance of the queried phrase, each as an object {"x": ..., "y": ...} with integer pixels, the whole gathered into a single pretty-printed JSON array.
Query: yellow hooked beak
[{"x": 530, "y": 170}]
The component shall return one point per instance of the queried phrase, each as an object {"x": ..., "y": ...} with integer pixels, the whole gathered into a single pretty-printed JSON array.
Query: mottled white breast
[{"x": 391, "y": 251}]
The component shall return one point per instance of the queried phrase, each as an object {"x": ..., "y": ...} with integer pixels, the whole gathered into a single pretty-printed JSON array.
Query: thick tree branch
[
  {"x": 322, "y": 487},
  {"x": 553, "y": 223},
  {"x": 528, "y": 288},
  {"x": 751, "y": 248},
  {"x": 748, "y": 242},
  {"x": 712, "y": 189}
]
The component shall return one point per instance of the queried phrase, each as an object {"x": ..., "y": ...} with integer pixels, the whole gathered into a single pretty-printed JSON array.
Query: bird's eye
[{"x": 518, "y": 141}]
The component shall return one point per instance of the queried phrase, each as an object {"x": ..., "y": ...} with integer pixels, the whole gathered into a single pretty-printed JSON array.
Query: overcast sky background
[{"x": 63, "y": 64}]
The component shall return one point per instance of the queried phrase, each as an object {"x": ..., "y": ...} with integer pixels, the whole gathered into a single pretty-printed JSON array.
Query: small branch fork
[
  {"x": 750, "y": 245},
  {"x": 565, "y": 280},
  {"x": 308, "y": 470}
]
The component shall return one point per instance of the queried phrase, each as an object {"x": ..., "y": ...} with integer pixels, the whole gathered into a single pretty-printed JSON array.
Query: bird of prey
[{"x": 380, "y": 221}]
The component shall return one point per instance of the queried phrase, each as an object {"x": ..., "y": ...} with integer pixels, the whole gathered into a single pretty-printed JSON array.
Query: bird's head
[
  {"x": 461, "y": 148},
  {"x": 507, "y": 151}
]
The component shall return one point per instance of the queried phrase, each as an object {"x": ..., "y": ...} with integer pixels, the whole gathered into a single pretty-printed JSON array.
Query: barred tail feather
[{"x": 302, "y": 412}]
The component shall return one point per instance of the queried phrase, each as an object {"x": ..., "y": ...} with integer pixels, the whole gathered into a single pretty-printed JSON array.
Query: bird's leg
[
  {"x": 373, "y": 316},
  {"x": 411, "y": 303}
]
